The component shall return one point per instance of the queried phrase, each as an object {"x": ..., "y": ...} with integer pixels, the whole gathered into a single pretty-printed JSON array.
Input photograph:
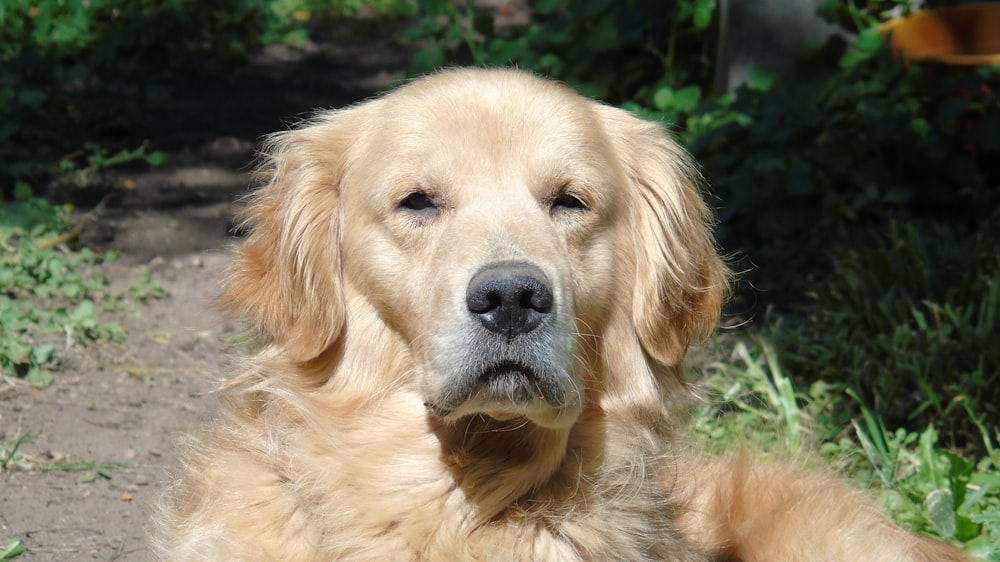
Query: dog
[{"x": 474, "y": 296}]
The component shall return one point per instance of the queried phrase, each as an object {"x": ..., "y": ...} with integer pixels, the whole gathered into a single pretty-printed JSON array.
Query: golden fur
[{"x": 390, "y": 417}]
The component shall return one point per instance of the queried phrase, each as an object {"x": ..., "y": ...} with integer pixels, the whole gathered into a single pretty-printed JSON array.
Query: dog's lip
[
  {"x": 507, "y": 369},
  {"x": 505, "y": 386}
]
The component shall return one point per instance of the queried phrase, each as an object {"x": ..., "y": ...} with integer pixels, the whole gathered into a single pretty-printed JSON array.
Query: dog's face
[
  {"x": 493, "y": 221},
  {"x": 486, "y": 237}
]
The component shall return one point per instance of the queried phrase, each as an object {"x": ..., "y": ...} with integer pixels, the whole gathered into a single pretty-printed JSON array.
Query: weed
[
  {"x": 89, "y": 470},
  {"x": 49, "y": 295},
  {"x": 84, "y": 166},
  {"x": 750, "y": 391},
  {"x": 52, "y": 297},
  {"x": 147, "y": 288},
  {"x": 925, "y": 487},
  {"x": 13, "y": 549},
  {"x": 8, "y": 454},
  {"x": 935, "y": 490}
]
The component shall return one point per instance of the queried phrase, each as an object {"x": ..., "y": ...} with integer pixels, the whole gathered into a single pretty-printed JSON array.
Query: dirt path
[{"x": 115, "y": 410}]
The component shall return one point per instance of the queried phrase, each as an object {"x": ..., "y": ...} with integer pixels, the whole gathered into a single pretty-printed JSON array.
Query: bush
[
  {"x": 616, "y": 51},
  {"x": 839, "y": 151},
  {"x": 72, "y": 72},
  {"x": 866, "y": 198}
]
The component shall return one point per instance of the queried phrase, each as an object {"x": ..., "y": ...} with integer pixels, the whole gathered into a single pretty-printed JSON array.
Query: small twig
[{"x": 61, "y": 239}]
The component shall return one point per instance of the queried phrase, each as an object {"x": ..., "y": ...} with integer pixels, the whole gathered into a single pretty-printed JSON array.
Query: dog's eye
[
  {"x": 567, "y": 202},
  {"x": 417, "y": 201}
]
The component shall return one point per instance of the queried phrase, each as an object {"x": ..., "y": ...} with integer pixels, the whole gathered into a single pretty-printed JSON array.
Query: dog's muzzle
[{"x": 517, "y": 357}]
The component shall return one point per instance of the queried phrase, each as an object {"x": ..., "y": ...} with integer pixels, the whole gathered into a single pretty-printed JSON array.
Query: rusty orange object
[{"x": 965, "y": 35}]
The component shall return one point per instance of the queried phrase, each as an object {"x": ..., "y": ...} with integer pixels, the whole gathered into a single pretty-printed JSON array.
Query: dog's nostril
[
  {"x": 510, "y": 298},
  {"x": 484, "y": 301},
  {"x": 536, "y": 298}
]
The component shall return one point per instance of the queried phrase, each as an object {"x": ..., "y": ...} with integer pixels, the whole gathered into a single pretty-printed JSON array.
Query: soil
[{"x": 115, "y": 410}]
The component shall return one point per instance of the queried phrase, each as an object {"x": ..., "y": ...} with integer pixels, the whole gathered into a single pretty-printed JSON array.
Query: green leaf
[
  {"x": 865, "y": 46},
  {"x": 84, "y": 311},
  {"x": 13, "y": 549},
  {"x": 687, "y": 98},
  {"x": 869, "y": 40},
  {"x": 604, "y": 35},
  {"x": 703, "y": 13},
  {"x": 662, "y": 97},
  {"x": 544, "y": 7},
  {"x": 940, "y": 506},
  {"x": 42, "y": 354},
  {"x": 683, "y": 100},
  {"x": 760, "y": 80},
  {"x": 156, "y": 158},
  {"x": 16, "y": 351},
  {"x": 38, "y": 377},
  {"x": 427, "y": 59}
]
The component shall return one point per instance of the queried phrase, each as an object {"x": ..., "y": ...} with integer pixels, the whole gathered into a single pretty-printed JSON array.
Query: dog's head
[{"x": 497, "y": 223}]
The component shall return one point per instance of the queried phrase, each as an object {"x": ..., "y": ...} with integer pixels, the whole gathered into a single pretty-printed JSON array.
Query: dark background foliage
[
  {"x": 78, "y": 73},
  {"x": 859, "y": 199}
]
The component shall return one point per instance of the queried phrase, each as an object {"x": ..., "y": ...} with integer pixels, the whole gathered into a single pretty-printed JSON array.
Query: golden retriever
[{"x": 476, "y": 293}]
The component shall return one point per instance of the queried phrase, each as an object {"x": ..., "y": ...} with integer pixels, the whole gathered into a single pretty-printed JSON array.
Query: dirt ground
[{"x": 116, "y": 409}]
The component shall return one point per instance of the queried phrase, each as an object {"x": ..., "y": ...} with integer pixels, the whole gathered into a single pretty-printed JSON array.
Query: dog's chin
[
  {"x": 542, "y": 415},
  {"x": 508, "y": 392}
]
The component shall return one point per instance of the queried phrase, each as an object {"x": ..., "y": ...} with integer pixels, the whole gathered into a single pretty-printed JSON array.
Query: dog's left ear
[{"x": 680, "y": 282}]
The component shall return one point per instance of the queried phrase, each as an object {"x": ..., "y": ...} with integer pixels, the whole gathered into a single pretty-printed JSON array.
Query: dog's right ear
[{"x": 285, "y": 278}]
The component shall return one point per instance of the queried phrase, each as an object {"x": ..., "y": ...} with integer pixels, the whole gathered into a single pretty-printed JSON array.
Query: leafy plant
[
  {"x": 926, "y": 488},
  {"x": 934, "y": 490},
  {"x": 752, "y": 392},
  {"x": 96, "y": 160},
  {"x": 615, "y": 51},
  {"x": 836, "y": 153},
  {"x": 292, "y": 21},
  {"x": 77, "y": 72},
  {"x": 47, "y": 292}
]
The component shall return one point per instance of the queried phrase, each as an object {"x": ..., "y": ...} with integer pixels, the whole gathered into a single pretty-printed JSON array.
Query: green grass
[
  {"x": 924, "y": 485},
  {"x": 9, "y": 454}
]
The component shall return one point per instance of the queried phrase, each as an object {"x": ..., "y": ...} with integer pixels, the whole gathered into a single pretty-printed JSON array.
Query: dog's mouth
[
  {"x": 504, "y": 390},
  {"x": 514, "y": 383}
]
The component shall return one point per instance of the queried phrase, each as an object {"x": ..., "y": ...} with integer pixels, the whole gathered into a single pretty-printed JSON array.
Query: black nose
[{"x": 509, "y": 298}]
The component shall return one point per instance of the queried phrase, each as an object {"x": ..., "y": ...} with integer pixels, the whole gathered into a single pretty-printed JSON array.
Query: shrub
[
  {"x": 866, "y": 198},
  {"x": 839, "y": 151},
  {"x": 72, "y": 72},
  {"x": 616, "y": 51}
]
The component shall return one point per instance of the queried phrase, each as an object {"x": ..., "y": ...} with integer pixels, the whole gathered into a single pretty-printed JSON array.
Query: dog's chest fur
[{"x": 364, "y": 493}]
